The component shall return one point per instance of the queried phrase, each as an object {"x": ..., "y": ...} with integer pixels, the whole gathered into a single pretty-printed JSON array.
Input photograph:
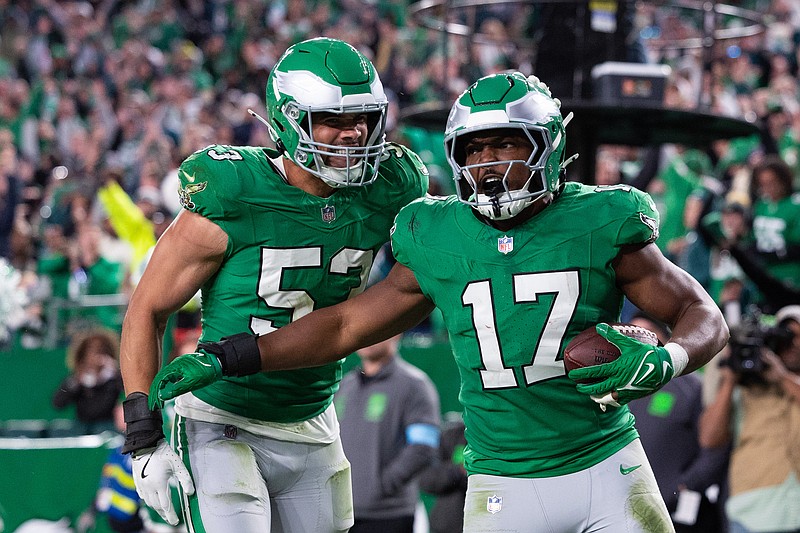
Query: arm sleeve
[
  {"x": 708, "y": 468},
  {"x": 66, "y": 393},
  {"x": 422, "y": 438},
  {"x": 791, "y": 253},
  {"x": 445, "y": 475},
  {"x": 408, "y": 463},
  {"x": 775, "y": 291},
  {"x": 641, "y": 224}
]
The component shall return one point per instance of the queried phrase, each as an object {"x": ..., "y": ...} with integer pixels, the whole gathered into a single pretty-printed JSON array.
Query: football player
[
  {"x": 268, "y": 236},
  {"x": 519, "y": 262}
]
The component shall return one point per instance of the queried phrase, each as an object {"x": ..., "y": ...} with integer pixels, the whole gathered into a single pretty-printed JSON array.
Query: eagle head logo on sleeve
[{"x": 185, "y": 193}]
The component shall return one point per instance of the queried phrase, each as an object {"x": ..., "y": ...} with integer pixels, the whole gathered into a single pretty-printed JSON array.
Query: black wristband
[
  {"x": 144, "y": 428},
  {"x": 238, "y": 354}
]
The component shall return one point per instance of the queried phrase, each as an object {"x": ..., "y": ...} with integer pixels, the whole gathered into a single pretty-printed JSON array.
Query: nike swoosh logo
[
  {"x": 622, "y": 470},
  {"x": 650, "y": 369},
  {"x": 150, "y": 456}
]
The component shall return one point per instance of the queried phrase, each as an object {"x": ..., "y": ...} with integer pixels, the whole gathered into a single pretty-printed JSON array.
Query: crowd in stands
[{"x": 101, "y": 100}]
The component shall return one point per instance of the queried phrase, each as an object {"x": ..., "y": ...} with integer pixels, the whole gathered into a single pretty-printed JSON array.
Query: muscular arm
[
  {"x": 188, "y": 253},
  {"x": 382, "y": 311},
  {"x": 661, "y": 289}
]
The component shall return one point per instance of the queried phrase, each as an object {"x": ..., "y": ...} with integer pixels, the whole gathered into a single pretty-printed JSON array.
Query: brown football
[{"x": 588, "y": 348}]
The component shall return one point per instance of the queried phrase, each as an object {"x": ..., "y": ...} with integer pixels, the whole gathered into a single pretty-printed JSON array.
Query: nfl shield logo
[
  {"x": 494, "y": 504},
  {"x": 328, "y": 213},
  {"x": 505, "y": 244}
]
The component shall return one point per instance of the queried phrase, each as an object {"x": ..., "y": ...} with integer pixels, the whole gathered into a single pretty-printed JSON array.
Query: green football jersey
[
  {"x": 511, "y": 301},
  {"x": 288, "y": 253},
  {"x": 776, "y": 228}
]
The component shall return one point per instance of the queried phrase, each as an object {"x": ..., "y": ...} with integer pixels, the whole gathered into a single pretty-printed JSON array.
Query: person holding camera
[{"x": 757, "y": 412}]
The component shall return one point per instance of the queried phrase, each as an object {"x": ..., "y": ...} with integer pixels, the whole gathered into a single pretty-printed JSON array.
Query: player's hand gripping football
[
  {"x": 641, "y": 369},
  {"x": 184, "y": 374},
  {"x": 152, "y": 470}
]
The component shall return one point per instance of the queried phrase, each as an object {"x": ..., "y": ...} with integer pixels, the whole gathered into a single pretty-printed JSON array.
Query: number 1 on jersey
[{"x": 565, "y": 288}]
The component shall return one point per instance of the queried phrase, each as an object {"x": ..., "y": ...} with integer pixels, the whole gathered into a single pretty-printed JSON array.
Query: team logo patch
[
  {"x": 185, "y": 193},
  {"x": 328, "y": 213},
  {"x": 505, "y": 244},
  {"x": 494, "y": 503},
  {"x": 651, "y": 223}
]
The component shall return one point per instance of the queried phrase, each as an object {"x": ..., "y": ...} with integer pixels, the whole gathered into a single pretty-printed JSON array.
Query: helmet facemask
[
  {"x": 497, "y": 200},
  {"x": 361, "y": 162},
  {"x": 518, "y": 105}
]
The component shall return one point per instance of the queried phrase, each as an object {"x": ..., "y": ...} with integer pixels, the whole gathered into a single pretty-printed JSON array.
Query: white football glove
[{"x": 152, "y": 470}]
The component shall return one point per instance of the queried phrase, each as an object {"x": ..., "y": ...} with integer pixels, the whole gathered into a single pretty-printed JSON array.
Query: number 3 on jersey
[
  {"x": 565, "y": 288},
  {"x": 274, "y": 261}
]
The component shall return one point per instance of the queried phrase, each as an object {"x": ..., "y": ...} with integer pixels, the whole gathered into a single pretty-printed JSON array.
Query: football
[{"x": 589, "y": 348}]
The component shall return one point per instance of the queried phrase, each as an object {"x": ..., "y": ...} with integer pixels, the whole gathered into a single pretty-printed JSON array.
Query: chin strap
[{"x": 496, "y": 206}]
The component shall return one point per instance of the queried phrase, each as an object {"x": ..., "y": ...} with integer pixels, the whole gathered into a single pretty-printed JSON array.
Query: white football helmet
[{"x": 503, "y": 101}]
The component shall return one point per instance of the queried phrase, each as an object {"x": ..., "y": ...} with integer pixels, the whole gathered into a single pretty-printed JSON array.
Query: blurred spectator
[
  {"x": 91, "y": 87},
  {"x": 727, "y": 283},
  {"x": 681, "y": 176},
  {"x": 757, "y": 412},
  {"x": 725, "y": 232},
  {"x": 607, "y": 167},
  {"x": 78, "y": 270},
  {"x": 116, "y": 498},
  {"x": 776, "y": 219},
  {"x": 668, "y": 425},
  {"x": 94, "y": 384},
  {"x": 446, "y": 479},
  {"x": 10, "y": 192},
  {"x": 139, "y": 223},
  {"x": 139, "y": 86},
  {"x": 13, "y": 300},
  {"x": 389, "y": 417}
]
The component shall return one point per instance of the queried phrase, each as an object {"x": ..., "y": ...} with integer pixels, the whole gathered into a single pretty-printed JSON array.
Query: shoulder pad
[
  {"x": 210, "y": 175},
  {"x": 402, "y": 154}
]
